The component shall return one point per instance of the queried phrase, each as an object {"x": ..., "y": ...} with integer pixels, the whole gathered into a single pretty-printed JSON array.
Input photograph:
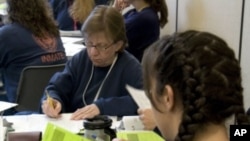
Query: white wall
[
  {"x": 245, "y": 54},
  {"x": 171, "y": 25},
  {"x": 221, "y": 17}
]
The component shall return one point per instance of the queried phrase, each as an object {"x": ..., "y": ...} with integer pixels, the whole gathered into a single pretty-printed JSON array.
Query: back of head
[
  {"x": 205, "y": 77},
  {"x": 108, "y": 20},
  {"x": 161, "y": 7},
  {"x": 80, "y": 9},
  {"x": 34, "y": 15}
]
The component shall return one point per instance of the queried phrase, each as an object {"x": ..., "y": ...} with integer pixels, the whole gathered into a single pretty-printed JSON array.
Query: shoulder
[
  {"x": 80, "y": 57},
  {"x": 9, "y": 30},
  {"x": 146, "y": 17},
  {"x": 127, "y": 60},
  {"x": 149, "y": 13}
]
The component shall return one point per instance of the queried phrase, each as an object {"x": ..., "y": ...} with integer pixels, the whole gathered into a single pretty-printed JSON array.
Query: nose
[{"x": 93, "y": 51}]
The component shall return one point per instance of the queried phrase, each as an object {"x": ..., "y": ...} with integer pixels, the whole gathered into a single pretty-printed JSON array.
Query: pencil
[{"x": 49, "y": 99}]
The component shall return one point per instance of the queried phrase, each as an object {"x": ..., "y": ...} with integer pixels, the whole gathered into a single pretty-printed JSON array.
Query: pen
[{"x": 49, "y": 99}]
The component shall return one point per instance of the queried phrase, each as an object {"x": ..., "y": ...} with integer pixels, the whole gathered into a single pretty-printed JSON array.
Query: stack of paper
[
  {"x": 6, "y": 105},
  {"x": 74, "y": 33}
]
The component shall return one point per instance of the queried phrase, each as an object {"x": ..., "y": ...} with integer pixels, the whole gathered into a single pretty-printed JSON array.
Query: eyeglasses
[{"x": 97, "y": 47}]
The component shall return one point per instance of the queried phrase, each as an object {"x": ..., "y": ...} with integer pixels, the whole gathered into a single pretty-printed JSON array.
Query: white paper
[
  {"x": 2, "y": 130},
  {"x": 2, "y": 133},
  {"x": 73, "y": 33},
  {"x": 72, "y": 45},
  {"x": 38, "y": 122},
  {"x": 6, "y": 105},
  {"x": 71, "y": 40},
  {"x": 3, "y": 8},
  {"x": 131, "y": 123},
  {"x": 139, "y": 97}
]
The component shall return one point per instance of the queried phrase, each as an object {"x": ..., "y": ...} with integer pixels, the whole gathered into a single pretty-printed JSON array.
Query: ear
[
  {"x": 119, "y": 45},
  {"x": 168, "y": 97}
]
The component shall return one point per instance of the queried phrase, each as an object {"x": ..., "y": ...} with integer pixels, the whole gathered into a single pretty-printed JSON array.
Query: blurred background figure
[
  {"x": 70, "y": 14},
  {"x": 143, "y": 23},
  {"x": 30, "y": 38}
]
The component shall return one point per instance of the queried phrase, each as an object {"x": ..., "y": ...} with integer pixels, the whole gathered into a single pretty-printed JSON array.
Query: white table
[
  {"x": 72, "y": 45},
  {"x": 38, "y": 122}
]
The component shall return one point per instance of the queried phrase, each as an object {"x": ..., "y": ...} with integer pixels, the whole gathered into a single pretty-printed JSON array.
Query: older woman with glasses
[{"x": 93, "y": 81}]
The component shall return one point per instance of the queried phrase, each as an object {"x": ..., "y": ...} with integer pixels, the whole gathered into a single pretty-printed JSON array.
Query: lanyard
[{"x": 99, "y": 90}]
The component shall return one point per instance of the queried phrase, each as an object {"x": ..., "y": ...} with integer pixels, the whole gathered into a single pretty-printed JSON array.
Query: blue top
[
  {"x": 68, "y": 86},
  {"x": 19, "y": 49},
  {"x": 61, "y": 14},
  {"x": 143, "y": 28}
]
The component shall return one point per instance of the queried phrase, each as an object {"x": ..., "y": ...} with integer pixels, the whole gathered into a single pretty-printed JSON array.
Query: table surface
[
  {"x": 72, "y": 45},
  {"x": 38, "y": 122}
]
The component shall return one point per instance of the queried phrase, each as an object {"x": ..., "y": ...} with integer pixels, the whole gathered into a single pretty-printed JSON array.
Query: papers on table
[
  {"x": 6, "y": 105},
  {"x": 139, "y": 97},
  {"x": 2, "y": 133},
  {"x": 131, "y": 123},
  {"x": 72, "y": 45},
  {"x": 3, "y": 8},
  {"x": 2, "y": 130},
  {"x": 38, "y": 122},
  {"x": 74, "y": 33}
]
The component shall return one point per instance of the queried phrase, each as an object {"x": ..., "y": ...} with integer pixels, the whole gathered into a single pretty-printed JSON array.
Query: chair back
[{"x": 31, "y": 86}]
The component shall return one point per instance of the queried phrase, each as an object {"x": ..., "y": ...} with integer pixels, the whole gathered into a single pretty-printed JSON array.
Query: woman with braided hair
[{"x": 193, "y": 81}]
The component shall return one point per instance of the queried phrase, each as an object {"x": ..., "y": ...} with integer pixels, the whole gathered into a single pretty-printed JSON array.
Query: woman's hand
[
  {"x": 121, "y": 4},
  {"x": 51, "y": 108},
  {"x": 86, "y": 112},
  {"x": 147, "y": 118}
]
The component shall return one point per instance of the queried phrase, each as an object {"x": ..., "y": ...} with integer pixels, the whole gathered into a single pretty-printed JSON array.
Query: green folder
[
  {"x": 56, "y": 133},
  {"x": 139, "y": 136}
]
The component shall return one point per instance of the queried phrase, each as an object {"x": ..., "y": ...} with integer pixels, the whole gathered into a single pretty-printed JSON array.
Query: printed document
[{"x": 139, "y": 97}]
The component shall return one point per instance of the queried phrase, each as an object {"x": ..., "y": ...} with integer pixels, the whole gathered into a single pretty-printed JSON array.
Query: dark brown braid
[{"x": 205, "y": 77}]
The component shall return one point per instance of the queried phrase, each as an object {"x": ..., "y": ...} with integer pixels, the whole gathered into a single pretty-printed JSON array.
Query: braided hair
[{"x": 204, "y": 75}]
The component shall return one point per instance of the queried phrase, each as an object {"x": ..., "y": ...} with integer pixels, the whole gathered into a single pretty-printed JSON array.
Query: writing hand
[
  {"x": 121, "y": 4},
  {"x": 52, "y": 108},
  {"x": 86, "y": 112}
]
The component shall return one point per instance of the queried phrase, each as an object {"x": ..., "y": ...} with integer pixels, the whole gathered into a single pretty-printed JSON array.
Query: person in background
[
  {"x": 193, "y": 81},
  {"x": 30, "y": 38},
  {"x": 94, "y": 80},
  {"x": 143, "y": 23},
  {"x": 1, "y": 20},
  {"x": 70, "y": 14}
]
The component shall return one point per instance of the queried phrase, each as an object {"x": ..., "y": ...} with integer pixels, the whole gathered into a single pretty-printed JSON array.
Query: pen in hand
[{"x": 49, "y": 99}]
